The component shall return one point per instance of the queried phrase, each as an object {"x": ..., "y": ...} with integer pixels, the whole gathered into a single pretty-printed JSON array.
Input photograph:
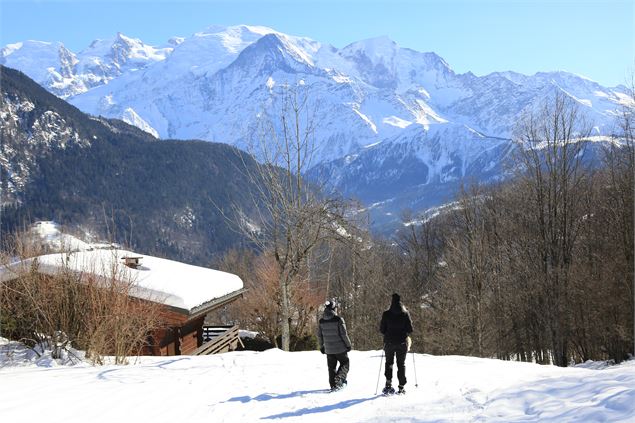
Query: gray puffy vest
[{"x": 332, "y": 334}]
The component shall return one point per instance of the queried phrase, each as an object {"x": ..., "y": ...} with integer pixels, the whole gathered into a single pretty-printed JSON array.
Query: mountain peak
[
  {"x": 215, "y": 29},
  {"x": 232, "y": 39},
  {"x": 43, "y": 59},
  {"x": 101, "y": 46},
  {"x": 122, "y": 38},
  {"x": 380, "y": 40},
  {"x": 31, "y": 45},
  {"x": 281, "y": 46},
  {"x": 374, "y": 48},
  {"x": 121, "y": 49}
]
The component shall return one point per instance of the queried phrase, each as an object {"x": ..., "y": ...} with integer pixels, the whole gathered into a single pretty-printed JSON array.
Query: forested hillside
[{"x": 112, "y": 179}]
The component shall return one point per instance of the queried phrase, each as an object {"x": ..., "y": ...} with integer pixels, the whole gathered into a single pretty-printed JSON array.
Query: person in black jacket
[
  {"x": 396, "y": 326},
  {"x": 334, "y": 342}
]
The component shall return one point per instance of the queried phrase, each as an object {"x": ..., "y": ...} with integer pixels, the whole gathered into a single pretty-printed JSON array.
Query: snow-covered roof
[{"x": 164, "y": 281}]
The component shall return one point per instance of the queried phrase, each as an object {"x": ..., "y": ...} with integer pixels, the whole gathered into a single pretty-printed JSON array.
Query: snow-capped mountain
[
  {"x": 68, "y": 74},
  {"x": 383, "y": 110},
  {"x": 214, "y": 84},
  {"x": 50, "y": 64},
  {"x": 105, "y": 60}
]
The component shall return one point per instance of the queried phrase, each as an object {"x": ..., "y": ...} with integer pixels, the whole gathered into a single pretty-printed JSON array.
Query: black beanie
[{"x": 395, "y": 304}]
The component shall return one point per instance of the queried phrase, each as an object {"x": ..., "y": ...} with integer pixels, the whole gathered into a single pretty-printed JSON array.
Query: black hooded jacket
[{"x": 395, "y": 323}]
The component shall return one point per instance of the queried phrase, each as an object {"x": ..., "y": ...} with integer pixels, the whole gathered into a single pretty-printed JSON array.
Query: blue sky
[{"x": 594, "y": 38}]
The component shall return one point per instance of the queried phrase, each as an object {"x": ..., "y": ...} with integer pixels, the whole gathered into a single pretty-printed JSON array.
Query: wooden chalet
[
  {"x": 185, "y": 332},
  {"x": 186, "y": 294}
]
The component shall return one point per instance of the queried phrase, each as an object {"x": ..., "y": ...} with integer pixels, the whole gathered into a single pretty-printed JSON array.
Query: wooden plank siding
[
  {"x": 192, "y": 335},
  {"x": 179, "y": 334}
]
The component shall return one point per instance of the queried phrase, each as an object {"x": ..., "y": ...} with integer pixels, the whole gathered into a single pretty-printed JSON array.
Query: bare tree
[
  {"x": 293, "y": 215},
  {"x": 551, "y": 144},
  {"x": 619, "y": 161},
  {"x": 260, "y": 308}
]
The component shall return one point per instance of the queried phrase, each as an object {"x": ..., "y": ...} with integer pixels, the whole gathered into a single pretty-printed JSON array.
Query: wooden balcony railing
[{"x": 218, "y": 339}]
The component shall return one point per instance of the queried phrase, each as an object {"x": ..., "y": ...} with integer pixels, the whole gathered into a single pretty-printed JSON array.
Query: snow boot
[{"x": 401, "y": 390}]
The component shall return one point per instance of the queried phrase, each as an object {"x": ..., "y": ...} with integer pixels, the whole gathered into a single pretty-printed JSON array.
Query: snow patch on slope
[
  {"x": 131, "y": 117},
  {"x": 50, "y": 235}
]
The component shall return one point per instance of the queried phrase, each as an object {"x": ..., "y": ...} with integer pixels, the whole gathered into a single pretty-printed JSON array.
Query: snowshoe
[
  {"x": 401, "y": 391},
  {"x": 388, "y": 390},
  {"x": 339, "y": 386}
]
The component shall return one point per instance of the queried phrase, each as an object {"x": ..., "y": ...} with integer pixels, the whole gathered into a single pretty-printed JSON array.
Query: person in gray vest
[{"x": 334, "y": 342}]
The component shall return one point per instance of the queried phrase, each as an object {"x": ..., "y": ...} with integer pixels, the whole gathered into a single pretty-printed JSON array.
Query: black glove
[
  {"x": 322, "y": 350},
  {"x": 348, "y": 349}
]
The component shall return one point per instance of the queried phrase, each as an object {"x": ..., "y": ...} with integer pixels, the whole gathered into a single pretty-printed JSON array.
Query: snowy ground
[{"x": 277, "y": 386}]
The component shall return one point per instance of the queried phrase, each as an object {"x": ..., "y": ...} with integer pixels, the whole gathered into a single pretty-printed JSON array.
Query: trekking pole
[
  {"x": 379, "y": 375},
  {"x": 414, "y": 366}
]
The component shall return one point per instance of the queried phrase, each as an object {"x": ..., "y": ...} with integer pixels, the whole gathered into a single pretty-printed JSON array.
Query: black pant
[
  {"x": 337, "y": 377},
  {"x": 400, "y": 350}
]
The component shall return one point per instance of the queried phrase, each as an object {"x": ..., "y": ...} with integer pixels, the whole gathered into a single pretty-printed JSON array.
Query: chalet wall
[
  {"x": 178, "y": 335},
  {"x": 192, "y": 335}
]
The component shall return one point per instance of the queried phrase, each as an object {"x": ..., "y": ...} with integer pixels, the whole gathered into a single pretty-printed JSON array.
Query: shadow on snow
[
  {"x": 267, "y": 397},
  {"x": 337, "y": 406}
]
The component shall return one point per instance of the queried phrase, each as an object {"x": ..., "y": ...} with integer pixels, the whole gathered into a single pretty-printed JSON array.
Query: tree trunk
[{"x": 285, "y": 314}]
